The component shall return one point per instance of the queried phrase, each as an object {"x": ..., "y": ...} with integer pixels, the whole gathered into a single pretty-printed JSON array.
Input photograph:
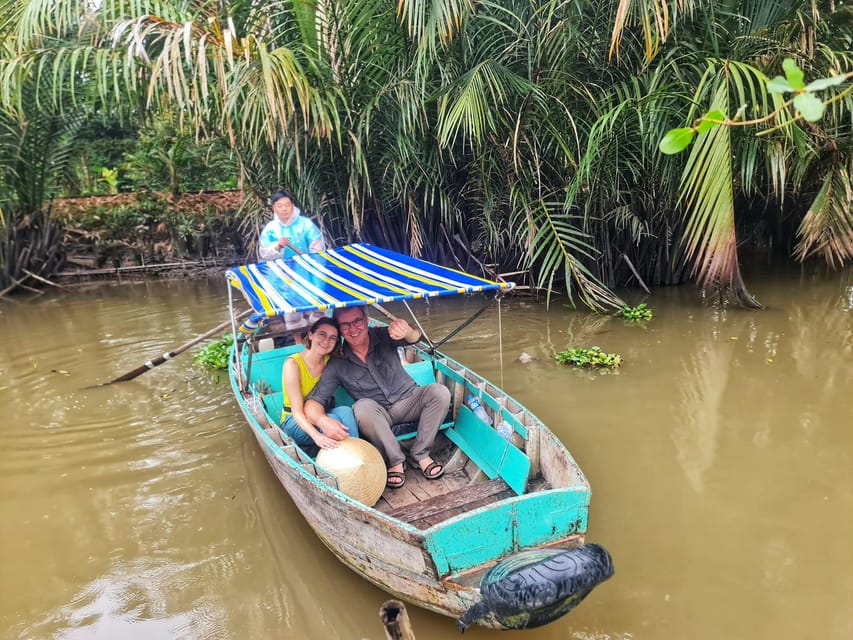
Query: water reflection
[{"x": 695, "y": 432}]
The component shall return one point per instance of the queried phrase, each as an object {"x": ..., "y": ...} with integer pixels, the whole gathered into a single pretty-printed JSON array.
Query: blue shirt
[{"x": 301, "y": 231}]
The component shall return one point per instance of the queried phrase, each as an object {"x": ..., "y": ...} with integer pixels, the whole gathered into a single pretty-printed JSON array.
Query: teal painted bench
[
  {"x": 423, "y": 374},
  {"x": 267, "y": 365},
  {"x": 497, "y": 457}
]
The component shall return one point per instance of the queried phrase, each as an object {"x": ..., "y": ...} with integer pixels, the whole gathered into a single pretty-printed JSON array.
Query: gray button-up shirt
[{"x": 382, "y": 378}]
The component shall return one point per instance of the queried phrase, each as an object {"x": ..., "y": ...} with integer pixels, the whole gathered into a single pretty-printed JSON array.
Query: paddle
[{"x": 156, "y": 362}]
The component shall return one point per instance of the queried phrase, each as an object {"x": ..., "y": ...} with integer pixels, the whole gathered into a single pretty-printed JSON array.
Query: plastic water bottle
[
  {"x": 478, "y": 409},
  {"x": 505, "y": 429}
]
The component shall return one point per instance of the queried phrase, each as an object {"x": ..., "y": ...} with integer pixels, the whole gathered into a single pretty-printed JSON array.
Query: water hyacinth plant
[
  {"x": 640, "y": 313},
  {"x": 215, "y": 355},
  {"x": 592, "y": 358}
]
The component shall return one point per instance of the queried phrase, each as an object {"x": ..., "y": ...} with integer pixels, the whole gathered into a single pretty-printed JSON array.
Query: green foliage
[
  {"x": 169, "y": 157},
  {"x": 102, "y": 142},
  {"x": 110, "y": 176},
  {"x": 677, "y": 140},
  {"x": 807, "y": 105},
  {"x": 504, "y": 130},
  {"x": 215, "y": 355},
  {"x": 593, "y": 358},
  {"x": 640, "y": 313}
]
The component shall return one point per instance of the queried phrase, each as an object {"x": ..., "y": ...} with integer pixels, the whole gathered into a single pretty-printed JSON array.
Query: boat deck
[{"x": 423, "y": 503}]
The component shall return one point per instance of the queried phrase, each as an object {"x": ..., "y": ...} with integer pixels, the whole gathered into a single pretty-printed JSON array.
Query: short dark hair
[
  {"x": 339, "y": 310},
  {"x": 278, "y": 195}
]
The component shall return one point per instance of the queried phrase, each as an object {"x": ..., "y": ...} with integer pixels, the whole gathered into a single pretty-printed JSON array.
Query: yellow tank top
[{"x": 306, "y": 382}]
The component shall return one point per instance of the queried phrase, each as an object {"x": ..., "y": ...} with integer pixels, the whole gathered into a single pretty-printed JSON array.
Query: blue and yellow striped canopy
[{"x": 349, "y": 276}]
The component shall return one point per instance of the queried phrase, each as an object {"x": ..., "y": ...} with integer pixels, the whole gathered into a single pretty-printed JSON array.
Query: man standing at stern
[
  {"x": 289, "y": 232},
  {"x": 385, "y": 395}
]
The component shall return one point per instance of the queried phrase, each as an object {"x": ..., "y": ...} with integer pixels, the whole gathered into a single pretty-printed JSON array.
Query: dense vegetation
[{"x": 524, "y": 132}]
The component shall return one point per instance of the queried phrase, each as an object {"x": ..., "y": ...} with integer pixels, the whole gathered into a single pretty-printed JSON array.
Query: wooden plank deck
[{"x": 423, "y": 508}]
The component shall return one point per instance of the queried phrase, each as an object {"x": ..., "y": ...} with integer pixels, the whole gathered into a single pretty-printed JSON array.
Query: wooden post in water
[{"x": 396, "y": 620}]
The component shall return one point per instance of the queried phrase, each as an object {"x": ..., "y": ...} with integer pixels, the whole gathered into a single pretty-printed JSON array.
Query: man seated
[{"x": 385, "y": 395}]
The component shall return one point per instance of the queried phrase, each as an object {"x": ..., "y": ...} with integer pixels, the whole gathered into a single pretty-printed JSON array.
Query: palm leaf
[
  {"x": 827, "y": 228},
  {"x": 708, "y": 189}
]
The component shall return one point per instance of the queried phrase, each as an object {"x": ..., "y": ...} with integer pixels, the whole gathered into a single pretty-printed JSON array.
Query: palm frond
[
  {"x": 559, "y": 243},
  {"x": 653, "y": 17},
  {"x": 708, "y": 189},
  {"x": 827, "y": 228}
]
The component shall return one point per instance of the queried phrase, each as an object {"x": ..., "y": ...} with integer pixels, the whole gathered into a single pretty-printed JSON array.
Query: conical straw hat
[{"x": 359, "y": 468}]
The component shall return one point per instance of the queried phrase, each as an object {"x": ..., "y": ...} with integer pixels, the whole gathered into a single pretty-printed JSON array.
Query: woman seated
[{"x": 299, "y": 375}]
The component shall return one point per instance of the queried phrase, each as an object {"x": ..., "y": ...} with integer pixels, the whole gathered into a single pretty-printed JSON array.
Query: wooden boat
[{"x": 499, "y": 540}]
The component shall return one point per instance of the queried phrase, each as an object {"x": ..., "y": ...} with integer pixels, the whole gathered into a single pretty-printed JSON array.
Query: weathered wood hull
[{"x": 438, "y": 567}]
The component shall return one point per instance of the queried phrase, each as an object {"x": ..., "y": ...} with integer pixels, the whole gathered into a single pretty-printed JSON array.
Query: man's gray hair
[{"x": 339, "y": 310}]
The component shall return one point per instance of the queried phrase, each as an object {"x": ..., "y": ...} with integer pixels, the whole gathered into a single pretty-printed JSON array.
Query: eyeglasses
[
  {"x": 346, "y": 327},
  {"x": 322, "y": 336}
]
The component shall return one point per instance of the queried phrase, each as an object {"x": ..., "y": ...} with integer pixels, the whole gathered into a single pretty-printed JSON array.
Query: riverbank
[{"x": 149, "y": 234}]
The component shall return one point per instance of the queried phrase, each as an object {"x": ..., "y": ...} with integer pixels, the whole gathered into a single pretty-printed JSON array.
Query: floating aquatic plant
[
  {"x": 640, "y": 313},
  {"x": 215, "y": 354},
  {"x": 592, "y": 358}
]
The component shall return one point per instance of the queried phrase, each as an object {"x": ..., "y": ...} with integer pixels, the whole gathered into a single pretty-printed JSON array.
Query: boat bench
[
  {"x": 267, "y": 365},
  {"x": 421, "y": 372},
  {"x": 495, "y": 455}
]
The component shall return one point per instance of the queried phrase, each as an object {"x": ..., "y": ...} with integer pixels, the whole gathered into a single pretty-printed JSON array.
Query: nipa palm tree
[{"x": 511, "y": 134}]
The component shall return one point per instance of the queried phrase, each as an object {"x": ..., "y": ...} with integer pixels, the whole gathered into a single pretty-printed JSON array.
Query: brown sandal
[
  {"x": 398, "y": 477},
  {"x": 433, "y": 471}
]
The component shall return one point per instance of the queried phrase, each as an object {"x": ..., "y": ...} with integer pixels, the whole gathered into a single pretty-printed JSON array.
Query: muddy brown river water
[{"x": 720, "y": 457}]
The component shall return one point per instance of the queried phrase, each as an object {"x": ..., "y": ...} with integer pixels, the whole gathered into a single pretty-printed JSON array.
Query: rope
[{"x": 465, "y": 324}]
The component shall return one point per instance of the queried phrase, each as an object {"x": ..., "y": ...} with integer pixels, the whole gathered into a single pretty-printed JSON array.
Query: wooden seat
[
  {"x": 427, "y": 512},
  {"x": 423, "y": 374},
  {"x": 497, "y": 457}
]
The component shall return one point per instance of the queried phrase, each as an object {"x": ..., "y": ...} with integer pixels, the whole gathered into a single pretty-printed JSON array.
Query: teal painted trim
[
  {"x": 267, "y": 365},
  {"x": 343, "y": 398},
  {"x": 475, "y": 378},
  {"x": 490, "y": 533},
  {"x": 412, "y": 434},
  {"x": 449, "y": 373},
  {"x": 490, "y": 402},
  {"x": 481, "y": 536},
  {"x": 421, "y": 372},
  {"x": 519, "y": 428},
  {"x": 488, "y": 449},
  {"x": 515, "y": 469},
  {"x": 465, "y": 437},
  {"x": 550, "y": 515}
]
